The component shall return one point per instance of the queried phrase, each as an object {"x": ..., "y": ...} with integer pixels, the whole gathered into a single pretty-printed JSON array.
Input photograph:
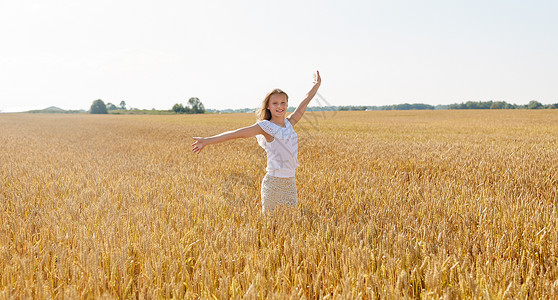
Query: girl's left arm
[
  {"x": 244, "y": 132},
  {"x": 297, "y": 114}
]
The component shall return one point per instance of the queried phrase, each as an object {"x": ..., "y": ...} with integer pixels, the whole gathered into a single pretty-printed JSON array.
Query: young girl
[{"x": 276, "y": 135}]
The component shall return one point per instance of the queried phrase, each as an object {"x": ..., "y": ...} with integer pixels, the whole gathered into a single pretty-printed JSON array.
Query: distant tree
[
  {"x": 407, "y": 106},
  {"x": 98, "y": 107},
  {"x": 471, "y": 105},
  {"x": 510, "y": 106},
  {"x": 111, "y": 106},
  {"x": 534, "y": 105},
  {"x": 553, "y": 106},
  {"x": 178, "y": 108},
  {"x": 498, "y": 105},
  {"x": 196, "y": 106},
  {"x": 477, "y": 105},
  {"x": 123, "y": 104},
  {"x": 458, "y": 106}
]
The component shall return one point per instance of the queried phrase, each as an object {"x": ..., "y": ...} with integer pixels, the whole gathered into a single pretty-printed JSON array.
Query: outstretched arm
[
  {"x": 244, "y": 132},
  {"x": 297, "y": 114}
]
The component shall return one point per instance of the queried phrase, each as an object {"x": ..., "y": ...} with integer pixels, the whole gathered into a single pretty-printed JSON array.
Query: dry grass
[{"x": 458, "y": 204}]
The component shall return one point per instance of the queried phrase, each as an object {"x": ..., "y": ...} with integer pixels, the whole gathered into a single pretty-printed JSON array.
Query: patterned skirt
[{"x": 277, "y": 191}]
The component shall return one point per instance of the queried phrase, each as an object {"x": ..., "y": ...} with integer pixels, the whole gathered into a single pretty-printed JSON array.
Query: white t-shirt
[{"x": 282, "y": 152}]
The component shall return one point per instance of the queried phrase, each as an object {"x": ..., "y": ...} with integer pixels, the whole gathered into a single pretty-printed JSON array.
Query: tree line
[
  {"x": 501, "y": 105},
  {"x": 421, "y": 106},
  {"x": 194, "y": 106},
  {"x": 465, "y": 105}
]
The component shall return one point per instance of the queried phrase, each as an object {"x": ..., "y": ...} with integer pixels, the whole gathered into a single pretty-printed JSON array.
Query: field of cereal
[{"x": 408, "y": 204}]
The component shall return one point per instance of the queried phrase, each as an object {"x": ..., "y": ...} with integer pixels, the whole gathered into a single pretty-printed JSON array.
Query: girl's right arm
[{"x": 244, "y": 132}]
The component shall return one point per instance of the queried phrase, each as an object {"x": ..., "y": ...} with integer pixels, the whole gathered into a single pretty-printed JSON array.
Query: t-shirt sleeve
[{"x": 267, "y": 127}]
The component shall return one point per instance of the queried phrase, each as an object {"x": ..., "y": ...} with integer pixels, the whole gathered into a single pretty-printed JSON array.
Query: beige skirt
[{"x": 277, "y": 191}]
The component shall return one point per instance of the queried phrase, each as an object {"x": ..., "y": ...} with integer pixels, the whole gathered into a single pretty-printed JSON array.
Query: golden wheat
[{"x": 458, "y": 204}]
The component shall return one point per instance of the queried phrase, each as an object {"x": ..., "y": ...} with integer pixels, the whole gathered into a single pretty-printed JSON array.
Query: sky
[{"x": 229, "y": 54}]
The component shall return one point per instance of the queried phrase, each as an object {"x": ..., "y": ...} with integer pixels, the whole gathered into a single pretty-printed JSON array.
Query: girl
[{"x": 276, "y": 135}]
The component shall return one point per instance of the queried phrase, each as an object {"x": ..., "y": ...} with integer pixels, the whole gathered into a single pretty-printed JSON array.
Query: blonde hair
[{"x": 263, "y": 113}]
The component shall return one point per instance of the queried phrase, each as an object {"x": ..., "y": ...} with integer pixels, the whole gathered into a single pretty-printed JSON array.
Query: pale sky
[{"x": 229, "y": 54}]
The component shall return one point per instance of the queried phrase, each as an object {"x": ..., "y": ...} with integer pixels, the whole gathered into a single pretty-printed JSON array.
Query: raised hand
[{"x": 317, "y": 78}]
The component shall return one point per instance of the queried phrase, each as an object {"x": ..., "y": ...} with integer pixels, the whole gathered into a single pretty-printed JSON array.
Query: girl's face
[{"x": 277, "y": 105}]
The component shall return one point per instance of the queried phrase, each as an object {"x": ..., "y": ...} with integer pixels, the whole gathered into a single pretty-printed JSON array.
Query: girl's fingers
[{"x": 197, "y": 147}]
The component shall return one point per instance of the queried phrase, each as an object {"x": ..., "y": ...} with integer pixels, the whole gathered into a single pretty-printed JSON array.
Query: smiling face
[{"x": 277, "y": 105}]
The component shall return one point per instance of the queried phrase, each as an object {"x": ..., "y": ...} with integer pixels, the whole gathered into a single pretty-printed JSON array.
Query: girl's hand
[
  {"x": 198, "y": 145},
  {"x": 317, "y": 78}
]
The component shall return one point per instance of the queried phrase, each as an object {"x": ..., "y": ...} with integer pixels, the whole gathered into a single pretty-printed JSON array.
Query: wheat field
[{"x": 409, "y": 204}]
